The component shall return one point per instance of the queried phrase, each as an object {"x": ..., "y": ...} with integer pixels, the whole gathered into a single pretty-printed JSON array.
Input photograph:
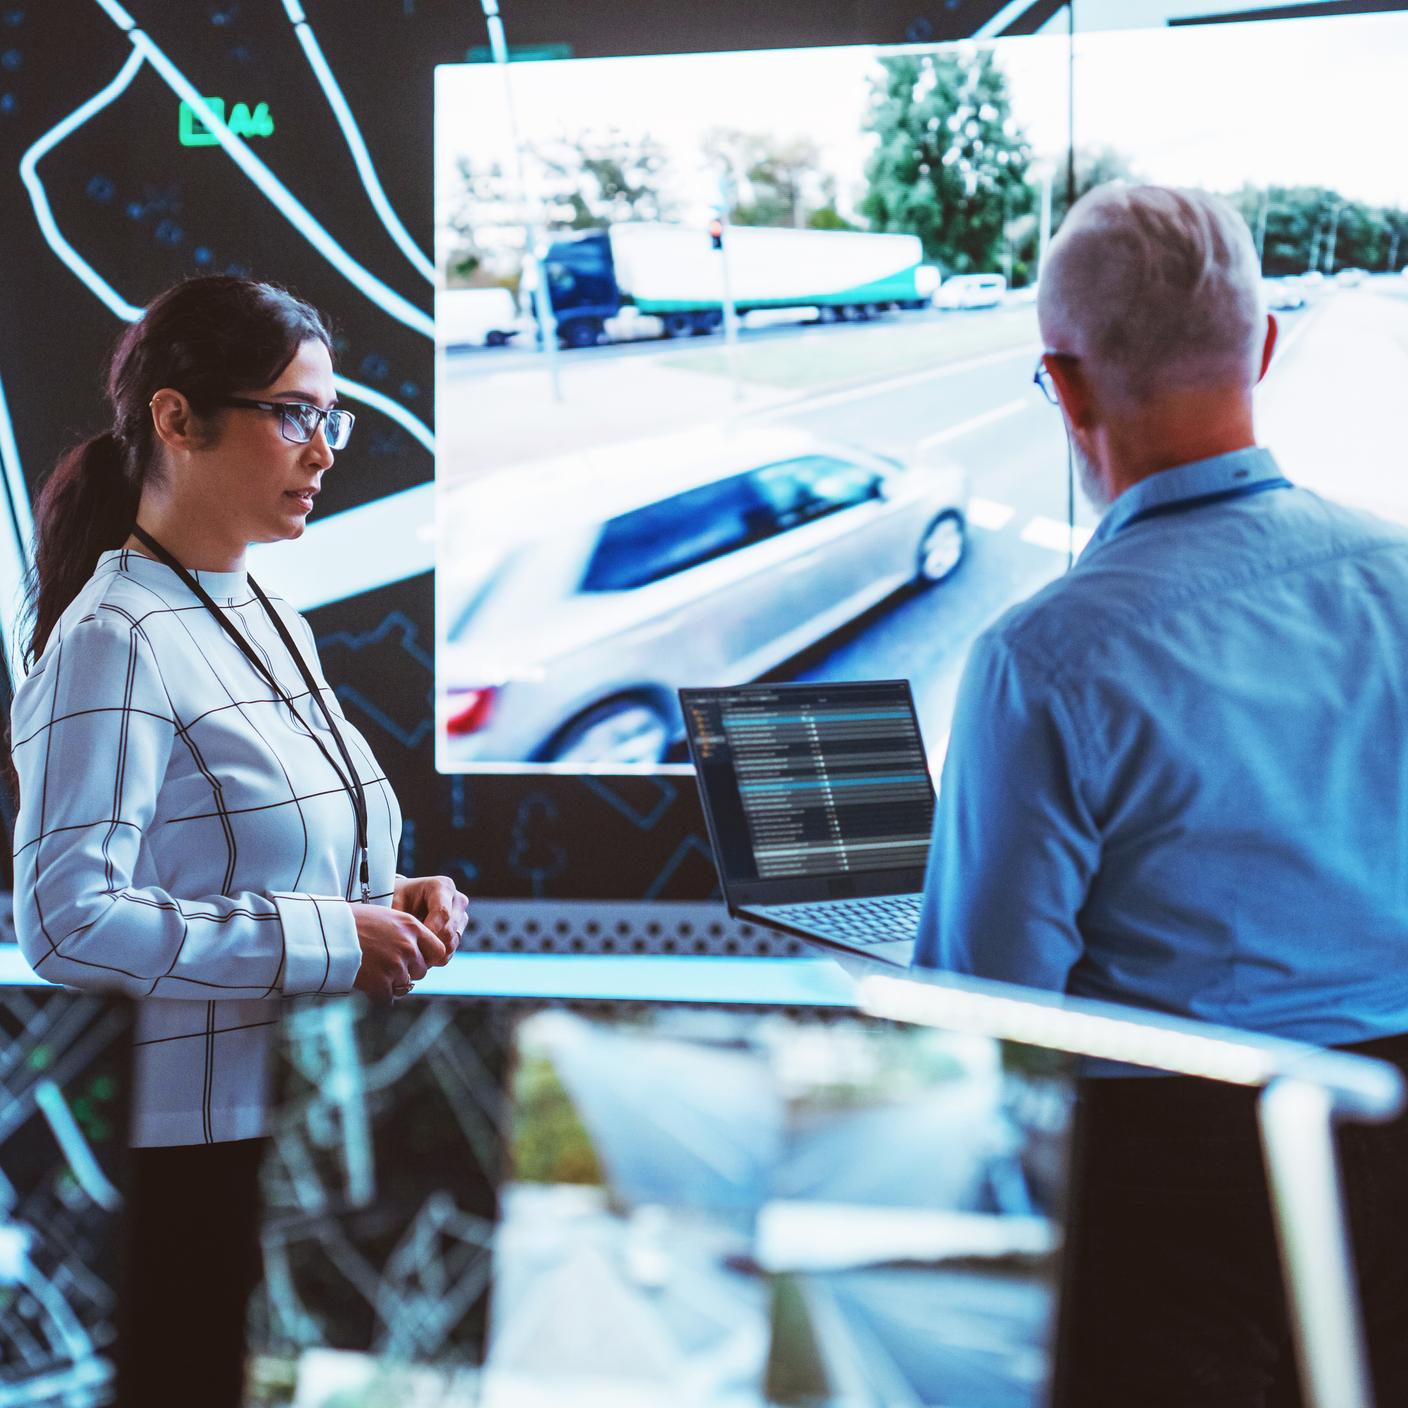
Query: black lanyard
[
  {"x": 1237, "y": 491},
  {"x": 350, "y": 780}
]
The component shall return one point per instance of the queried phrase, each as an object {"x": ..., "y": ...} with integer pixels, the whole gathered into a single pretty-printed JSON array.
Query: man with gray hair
[{"x": 1177, "y": 779}]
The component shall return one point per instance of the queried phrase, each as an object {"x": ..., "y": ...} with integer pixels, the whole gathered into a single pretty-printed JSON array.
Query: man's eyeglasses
[
  {"x": 299, "y": 422},
  {"x": 1041, "y": 378}
]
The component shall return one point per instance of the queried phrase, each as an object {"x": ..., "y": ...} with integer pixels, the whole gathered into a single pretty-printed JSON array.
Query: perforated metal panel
[{"x": 625, "y": 926}]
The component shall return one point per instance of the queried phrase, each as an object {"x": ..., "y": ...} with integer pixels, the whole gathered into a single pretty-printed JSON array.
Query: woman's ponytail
[
  {"x": 207, "y": 338},
  {"x": 87, "y": 506}
]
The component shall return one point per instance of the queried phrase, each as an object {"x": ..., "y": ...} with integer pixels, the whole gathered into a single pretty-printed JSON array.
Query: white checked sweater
[{"x": 182, "y": 839}]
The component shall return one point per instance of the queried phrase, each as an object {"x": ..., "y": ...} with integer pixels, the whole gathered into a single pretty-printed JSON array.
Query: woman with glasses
[{"x": 200, "y": 826}]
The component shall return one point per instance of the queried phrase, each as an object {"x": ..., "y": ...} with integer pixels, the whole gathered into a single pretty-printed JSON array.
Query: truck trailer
[{"x": 676, "y": 273}]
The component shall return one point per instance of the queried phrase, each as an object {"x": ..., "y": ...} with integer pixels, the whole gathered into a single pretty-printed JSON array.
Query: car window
[
  {"x": 813, "y": 486},
  {"x": 682, "y": 531}
]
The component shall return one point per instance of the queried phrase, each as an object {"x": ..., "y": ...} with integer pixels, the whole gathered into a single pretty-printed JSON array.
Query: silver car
[{"x": 577, "y": 595}]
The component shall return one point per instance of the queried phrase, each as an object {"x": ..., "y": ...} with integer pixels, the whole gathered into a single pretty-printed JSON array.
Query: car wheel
[
  {"x": 629, "y": 731},
  {"x": 678, "y": 325},
  {"x": 941, "y": 548}
]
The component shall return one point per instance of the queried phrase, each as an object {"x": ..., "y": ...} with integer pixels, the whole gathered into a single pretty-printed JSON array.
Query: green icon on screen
[{"x": 243, "y": 121}]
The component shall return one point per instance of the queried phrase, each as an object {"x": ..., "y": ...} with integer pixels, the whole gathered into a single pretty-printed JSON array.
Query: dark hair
[{"x": 207, "y": 338}]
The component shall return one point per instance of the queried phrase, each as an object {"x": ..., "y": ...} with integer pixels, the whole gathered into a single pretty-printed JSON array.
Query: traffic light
[{"x": 716, "y": 233}]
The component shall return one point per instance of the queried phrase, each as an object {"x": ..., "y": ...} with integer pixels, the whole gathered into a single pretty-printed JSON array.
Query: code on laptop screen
[{"x": 816, "y": 780}]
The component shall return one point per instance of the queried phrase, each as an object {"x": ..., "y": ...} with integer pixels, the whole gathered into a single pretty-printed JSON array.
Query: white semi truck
[{"x": 676, "y": 273}]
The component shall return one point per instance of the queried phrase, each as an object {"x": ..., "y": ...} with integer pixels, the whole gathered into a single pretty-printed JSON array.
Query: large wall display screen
[{"x": 734, "y": 350}]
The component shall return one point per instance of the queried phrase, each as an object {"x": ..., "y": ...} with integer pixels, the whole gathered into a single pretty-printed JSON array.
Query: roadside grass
[{"x": 889, "y": 347}]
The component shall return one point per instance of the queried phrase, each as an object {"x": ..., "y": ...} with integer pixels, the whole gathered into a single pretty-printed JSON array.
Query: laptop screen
[{"x": 811, "y": 781}]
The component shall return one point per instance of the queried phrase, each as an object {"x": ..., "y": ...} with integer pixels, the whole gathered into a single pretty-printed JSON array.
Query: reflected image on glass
[{"x": 752, "y": 1209}]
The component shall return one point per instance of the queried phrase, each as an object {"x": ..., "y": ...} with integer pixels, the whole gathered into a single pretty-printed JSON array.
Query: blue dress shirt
[{"x": 1178, "y": 775}]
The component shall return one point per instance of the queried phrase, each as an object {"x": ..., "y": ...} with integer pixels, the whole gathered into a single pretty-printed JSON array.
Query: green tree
[
  {"x": 1094, "y": 166},
  {"x": 950, "y": 161},
  {"x": 600, "y": 178},
  {"x": 550, "y": 1142},
  {"x": 1299, "y": 228},
  {"x": 483, "y": 232},
  {"x": 776, "y": 181}
]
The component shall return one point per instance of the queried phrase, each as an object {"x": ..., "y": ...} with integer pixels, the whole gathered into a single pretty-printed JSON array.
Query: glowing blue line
[
  {"x": 371, "y": 183},
  {"x": 81, "y": 1162},
  {"x": 392, "y": 410},
  {"x": 376, "y": 566},
  {"x": 15, "y": 563},
  {"x": 355, "y": 551},
  {"x": 293, "y": 210},
  {"x": 40, "y": 200}
]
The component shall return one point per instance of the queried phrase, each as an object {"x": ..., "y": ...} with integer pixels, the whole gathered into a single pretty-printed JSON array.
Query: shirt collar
[
  {"x": 226, "y": 587},
  {"x": 1238, "y": 470}
]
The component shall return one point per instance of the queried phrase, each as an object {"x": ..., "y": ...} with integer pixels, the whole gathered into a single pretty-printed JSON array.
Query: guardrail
[{"x": 1304, "y": 1089}]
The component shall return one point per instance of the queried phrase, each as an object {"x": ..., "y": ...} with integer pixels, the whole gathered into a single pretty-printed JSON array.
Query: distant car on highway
[
  {"x": 971, "y": 291},
  {"x": 580, "y": 593},
  {"x": 476, "y": 317},
  {"x": 1284, "y": 295}
]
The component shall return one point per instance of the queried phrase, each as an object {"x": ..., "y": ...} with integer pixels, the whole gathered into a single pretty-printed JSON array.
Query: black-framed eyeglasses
[
  {"x": 299, "y": 422},
  {"x": 1041, "y": 378}
]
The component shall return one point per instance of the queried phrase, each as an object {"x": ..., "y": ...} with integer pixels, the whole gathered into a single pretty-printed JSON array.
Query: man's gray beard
[{"x": 1090, "y": 483}]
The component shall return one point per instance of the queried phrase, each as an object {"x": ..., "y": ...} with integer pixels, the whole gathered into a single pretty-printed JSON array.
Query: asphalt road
[{"x": 1331, "y": 407}]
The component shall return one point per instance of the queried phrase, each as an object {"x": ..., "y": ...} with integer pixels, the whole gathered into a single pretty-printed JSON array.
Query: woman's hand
[
  {"x": 397, "y": 950},
  {"x": 434, "y": 900}
]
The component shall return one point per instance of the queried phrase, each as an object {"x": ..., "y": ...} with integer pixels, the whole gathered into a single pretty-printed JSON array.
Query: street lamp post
[
  {"x": 542, "y": 294},
  {"x": 730, "y": 310},
  {"x": 1334, "y": 234},
  {"x": 1043, "y": 237}
]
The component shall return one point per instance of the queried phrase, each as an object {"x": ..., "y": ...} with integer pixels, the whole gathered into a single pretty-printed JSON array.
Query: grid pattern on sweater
[{"x": 182, "y": 839}]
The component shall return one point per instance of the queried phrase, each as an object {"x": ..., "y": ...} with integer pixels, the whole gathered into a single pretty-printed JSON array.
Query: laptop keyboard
[{"x": 878, "y": 919}]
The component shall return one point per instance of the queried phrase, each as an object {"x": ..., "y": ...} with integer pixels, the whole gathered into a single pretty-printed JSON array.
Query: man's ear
[
  {"x": 1072, "y": 388},
  {"x": 1268, "y": 349},
  {"x": 174, "y": 422}
]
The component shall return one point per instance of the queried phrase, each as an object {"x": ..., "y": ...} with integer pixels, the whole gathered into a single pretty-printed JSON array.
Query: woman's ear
[{"x": 175, "y": 424}]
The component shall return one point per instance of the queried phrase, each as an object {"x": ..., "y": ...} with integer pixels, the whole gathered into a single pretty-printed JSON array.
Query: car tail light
[{"x": 470, "y": 710}]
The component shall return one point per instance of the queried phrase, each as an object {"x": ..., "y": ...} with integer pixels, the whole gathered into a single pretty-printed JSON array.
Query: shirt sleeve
[
  {"x": 93, "y": 731},
  {"x": 1015, "y": 849}
]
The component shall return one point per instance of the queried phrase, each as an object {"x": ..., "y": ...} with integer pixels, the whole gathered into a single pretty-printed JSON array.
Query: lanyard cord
[
  {"x": 1238, "y": 491},
  {"x": 350, "y": 780}
]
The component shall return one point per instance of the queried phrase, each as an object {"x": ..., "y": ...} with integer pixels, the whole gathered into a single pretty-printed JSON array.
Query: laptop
[{"x": 819, "y": 806}]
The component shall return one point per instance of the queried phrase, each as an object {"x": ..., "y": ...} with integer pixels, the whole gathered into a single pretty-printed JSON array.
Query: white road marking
[
  {"x": 823, "y": 399},
  {"x": 966, "y": 427},
  {"x": 1051, "y": 533},
  {"x": 985, "y": 513}
]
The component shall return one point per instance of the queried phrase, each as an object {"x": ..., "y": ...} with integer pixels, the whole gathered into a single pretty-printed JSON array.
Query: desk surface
[{"x": 805, "y": 982}]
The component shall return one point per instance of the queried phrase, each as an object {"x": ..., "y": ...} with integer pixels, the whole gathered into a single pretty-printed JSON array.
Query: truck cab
[{"x": 582, "y": 286}]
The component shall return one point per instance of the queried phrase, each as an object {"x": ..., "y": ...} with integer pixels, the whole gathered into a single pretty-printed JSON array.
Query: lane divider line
[
  {"x": 978, "y": 422},
  {"x": 985, "y": 513},
  {"x": 823, "y": 399},
  {"x": 1051, "y": 533}
]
